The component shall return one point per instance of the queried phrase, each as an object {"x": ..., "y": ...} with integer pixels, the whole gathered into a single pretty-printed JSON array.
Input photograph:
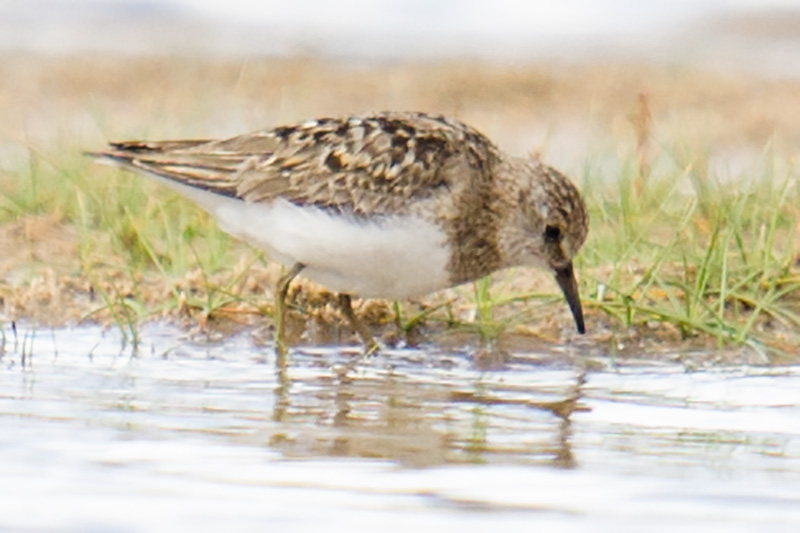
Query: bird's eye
[{"x": 552, "y": 234}]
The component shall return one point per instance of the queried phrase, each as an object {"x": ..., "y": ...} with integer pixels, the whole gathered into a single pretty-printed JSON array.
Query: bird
[{"x": 385, "y": 205}]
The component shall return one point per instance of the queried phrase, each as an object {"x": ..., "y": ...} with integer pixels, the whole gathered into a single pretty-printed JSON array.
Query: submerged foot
[{"x": 371, "y": 347}]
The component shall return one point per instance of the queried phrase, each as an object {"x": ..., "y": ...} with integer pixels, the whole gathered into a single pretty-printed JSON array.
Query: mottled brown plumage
[
  {"x": 495, "y": 211},
  {"x": 373, "y": 165}
]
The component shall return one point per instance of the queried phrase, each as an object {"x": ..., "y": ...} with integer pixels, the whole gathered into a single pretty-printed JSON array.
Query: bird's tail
[{"x": 176, "y": 161}]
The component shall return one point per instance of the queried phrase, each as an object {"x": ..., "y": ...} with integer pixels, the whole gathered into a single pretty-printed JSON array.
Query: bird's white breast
[
  {"x": 387, "y": 257},
  {"x": 394, "y": 257}
]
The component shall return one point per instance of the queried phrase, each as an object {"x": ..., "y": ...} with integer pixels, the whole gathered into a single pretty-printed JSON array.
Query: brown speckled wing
[
  {"x": 180, "y": 161},
  {"x": 371, "y": 164}
]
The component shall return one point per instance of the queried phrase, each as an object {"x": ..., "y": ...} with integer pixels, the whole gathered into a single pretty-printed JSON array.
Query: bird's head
[{"x": 549, "y": 228}]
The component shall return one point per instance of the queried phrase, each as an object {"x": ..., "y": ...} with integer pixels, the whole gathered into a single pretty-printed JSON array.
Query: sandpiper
[{"x": 388, "y": 205}]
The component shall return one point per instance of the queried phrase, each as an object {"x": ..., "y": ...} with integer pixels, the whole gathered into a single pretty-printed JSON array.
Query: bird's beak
[{"x": 569, "y": 286}]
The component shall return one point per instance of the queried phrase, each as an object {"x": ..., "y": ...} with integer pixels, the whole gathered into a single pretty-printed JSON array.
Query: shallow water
[{"x": 209, "y": 436}]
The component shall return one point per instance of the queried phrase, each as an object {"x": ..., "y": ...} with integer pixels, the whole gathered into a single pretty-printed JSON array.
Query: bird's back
[{"x": 376, "y": 164}]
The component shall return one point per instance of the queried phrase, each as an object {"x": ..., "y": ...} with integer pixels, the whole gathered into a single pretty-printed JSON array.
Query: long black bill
[{"x": 569, "y": 286}]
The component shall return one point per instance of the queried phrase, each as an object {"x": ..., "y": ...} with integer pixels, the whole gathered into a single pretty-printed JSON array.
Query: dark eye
[{"x": 552, "y": 234}]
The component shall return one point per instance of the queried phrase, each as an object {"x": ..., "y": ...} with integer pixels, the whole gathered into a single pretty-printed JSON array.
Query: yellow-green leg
[
  {"x": 370, "y": 346},
  {"x": 281, "y": 289}
]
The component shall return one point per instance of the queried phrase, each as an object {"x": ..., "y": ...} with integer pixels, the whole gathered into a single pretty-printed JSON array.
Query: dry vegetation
[{"x": 691, "y": 179}]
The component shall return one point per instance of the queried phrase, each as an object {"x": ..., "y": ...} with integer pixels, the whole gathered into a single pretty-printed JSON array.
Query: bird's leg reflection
[
  {"x": 281, "y": 404},
  {"x": 564, "y": 457},
  {"x": 343, "y": 396}
]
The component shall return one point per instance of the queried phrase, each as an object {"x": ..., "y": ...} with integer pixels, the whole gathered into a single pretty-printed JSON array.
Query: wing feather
[{"x": 360, "y": 165}]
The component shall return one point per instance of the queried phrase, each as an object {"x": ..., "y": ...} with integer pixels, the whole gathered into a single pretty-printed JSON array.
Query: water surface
[{"x": 197, "y": 435}]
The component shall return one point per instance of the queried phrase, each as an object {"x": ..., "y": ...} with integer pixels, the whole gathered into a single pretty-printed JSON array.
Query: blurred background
[
  {"x": 537, "y": 76},
  {"x": 760, "y": 36}
]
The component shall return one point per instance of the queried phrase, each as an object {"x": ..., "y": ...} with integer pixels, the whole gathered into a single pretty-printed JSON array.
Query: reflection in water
[
  {"x": 281, "y": 388},
  {"x": 399, "y": 407},
  {"x": 202, "y": 423}
]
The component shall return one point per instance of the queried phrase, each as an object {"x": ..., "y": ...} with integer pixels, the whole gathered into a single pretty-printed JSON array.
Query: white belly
[{"x": 395, "y": 257}]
